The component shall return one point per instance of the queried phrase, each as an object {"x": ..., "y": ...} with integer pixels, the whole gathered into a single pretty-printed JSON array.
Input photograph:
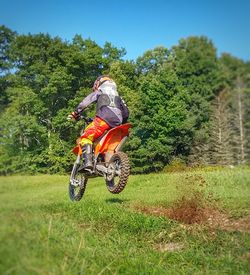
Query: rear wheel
[
  {"x": 118, "y": 172},
  {"x": 77, "y": 184}
]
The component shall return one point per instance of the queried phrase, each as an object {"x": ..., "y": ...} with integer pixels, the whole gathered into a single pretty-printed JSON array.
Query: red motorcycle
[{"x": 108, "y": 162}]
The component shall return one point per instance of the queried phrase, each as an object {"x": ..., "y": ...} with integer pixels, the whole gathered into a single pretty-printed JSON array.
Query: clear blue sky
[{"x": 136, "y": 25}]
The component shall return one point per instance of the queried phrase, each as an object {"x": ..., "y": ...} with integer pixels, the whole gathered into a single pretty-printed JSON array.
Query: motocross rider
[{"x": 111, "y": 111}]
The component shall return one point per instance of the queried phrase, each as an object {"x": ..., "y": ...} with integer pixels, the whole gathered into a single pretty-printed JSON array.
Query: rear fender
[{"x": 110, "y": 142}]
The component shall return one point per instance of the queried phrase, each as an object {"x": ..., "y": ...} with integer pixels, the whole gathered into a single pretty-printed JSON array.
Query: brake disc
[{"x": 111, "y": 171}]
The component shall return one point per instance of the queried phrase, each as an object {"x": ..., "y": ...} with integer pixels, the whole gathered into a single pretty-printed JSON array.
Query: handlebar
[{"x": 88, "y": 120}]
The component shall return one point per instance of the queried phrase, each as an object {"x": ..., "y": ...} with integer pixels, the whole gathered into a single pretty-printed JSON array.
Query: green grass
[{"x": 43, "y": 232}]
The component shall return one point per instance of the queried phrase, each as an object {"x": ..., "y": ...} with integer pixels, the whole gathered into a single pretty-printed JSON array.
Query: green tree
[
  {"x": 176, "y": 93},
  {"x": 21, "y": 134},
  {"x": 151, "y": 60},
  {"x": 51, "y": 76},
  {"x": 176, "y": 97},
  {"x": 7, "y": 37}
]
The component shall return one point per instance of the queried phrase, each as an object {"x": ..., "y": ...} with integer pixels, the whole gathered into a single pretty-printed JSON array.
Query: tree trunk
[
  {"x": 219, "y": 119},
  {"x": 240, "y": 117}
]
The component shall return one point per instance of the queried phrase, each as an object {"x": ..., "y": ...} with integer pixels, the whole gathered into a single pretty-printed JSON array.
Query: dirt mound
[{"x": 189, "y": 210}]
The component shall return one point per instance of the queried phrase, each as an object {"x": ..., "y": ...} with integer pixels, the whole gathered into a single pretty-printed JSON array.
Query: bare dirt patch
[
  {"x": 169, "y": 247},
  {"x": 217, "y": 219},
  {"x": 213, "y": 218},
  {"x": 195, "y": 206}
]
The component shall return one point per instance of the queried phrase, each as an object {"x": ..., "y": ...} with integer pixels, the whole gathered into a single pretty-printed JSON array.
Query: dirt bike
[{"x": 108, "y": 162}]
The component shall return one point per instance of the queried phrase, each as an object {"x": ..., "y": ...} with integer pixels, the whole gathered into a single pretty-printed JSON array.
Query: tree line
[{"x": 185, "y": 102}]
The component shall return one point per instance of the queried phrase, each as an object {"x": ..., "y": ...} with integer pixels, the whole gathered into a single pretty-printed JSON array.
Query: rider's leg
[
  {"x": 92, "y": 132},
  {"x": 87, "y": 153}
]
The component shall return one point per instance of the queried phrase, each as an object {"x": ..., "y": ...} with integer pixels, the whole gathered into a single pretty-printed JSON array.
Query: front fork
[{"x": 73, "y": 181}]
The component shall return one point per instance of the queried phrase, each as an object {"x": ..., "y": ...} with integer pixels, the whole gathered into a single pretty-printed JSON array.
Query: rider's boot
[{"x": 87, "y": 156}]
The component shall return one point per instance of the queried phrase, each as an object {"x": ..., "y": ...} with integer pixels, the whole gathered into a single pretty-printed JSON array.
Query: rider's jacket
[{"x": 109, "y": 105}]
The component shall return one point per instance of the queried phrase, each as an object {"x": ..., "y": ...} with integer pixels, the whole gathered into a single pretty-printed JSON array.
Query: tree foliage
[{"x": 184, "y": 102}]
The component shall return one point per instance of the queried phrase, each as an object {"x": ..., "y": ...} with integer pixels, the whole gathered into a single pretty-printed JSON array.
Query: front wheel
[
  {"x": 77, "y": 184},
  {"x": 118, "y": 172}
]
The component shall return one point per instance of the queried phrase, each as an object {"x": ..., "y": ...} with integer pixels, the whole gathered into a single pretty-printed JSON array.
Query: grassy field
[{"x": 140, "y": 231}]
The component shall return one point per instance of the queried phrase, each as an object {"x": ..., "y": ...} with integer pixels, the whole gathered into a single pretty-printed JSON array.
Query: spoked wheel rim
[
  {"x": 77, "y": 184},
  {"x": 118, "y": 172},
  {"x": 114, "y": 170}
]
